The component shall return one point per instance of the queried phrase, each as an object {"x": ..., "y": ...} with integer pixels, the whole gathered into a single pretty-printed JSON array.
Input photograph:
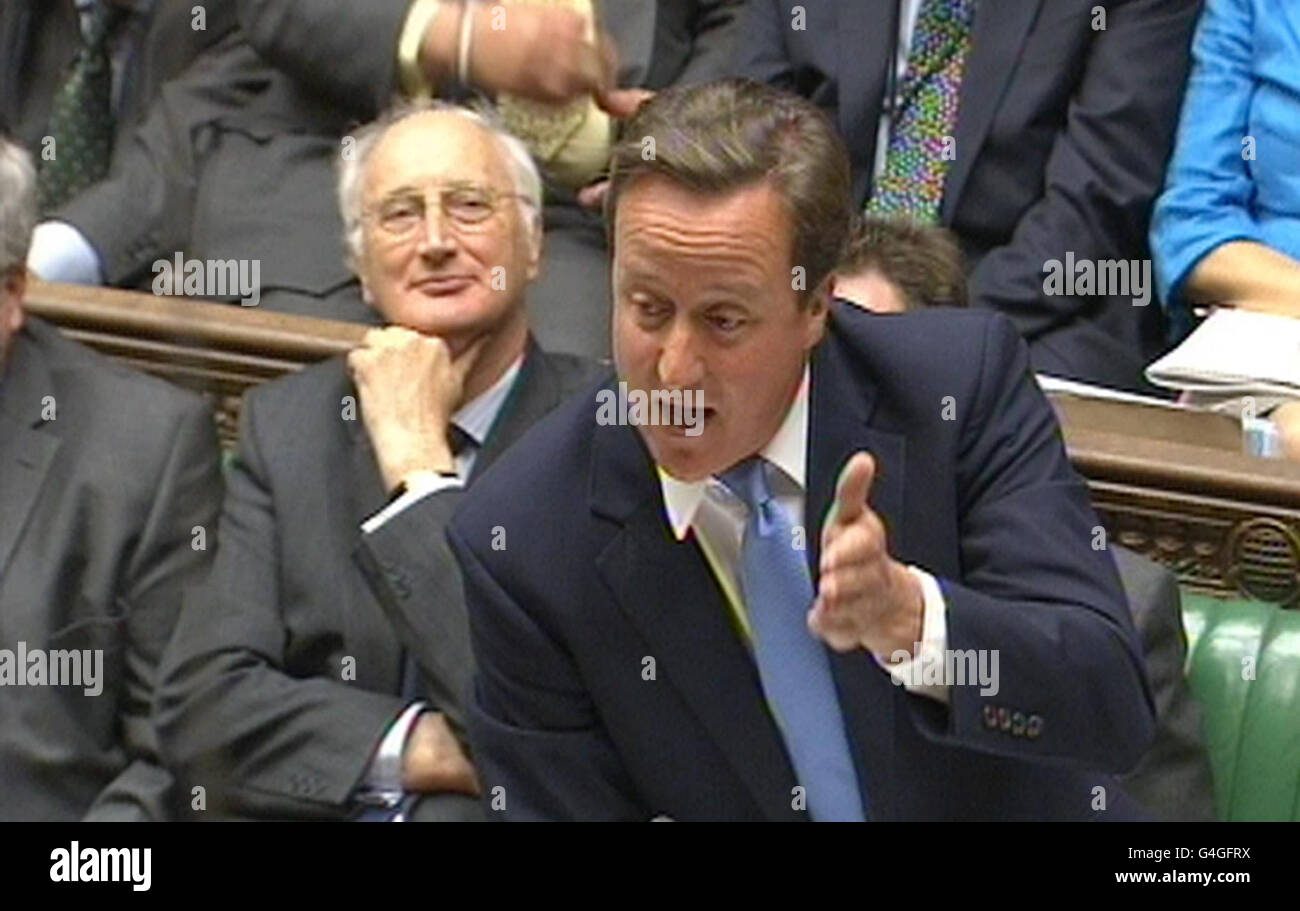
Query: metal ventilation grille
[{"x": 1266, "y": 554}]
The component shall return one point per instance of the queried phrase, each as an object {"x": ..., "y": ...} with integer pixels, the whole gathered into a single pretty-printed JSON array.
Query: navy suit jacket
[
  {"x": 981, "y": 495},
  {"x": 1062, "y": 135}
]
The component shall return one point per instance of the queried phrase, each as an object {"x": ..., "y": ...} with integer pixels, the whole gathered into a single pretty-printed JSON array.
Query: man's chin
[{"x": 686, "y": 458}]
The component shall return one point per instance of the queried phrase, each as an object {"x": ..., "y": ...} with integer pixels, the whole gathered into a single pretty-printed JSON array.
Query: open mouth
[{"x": 698, "y": 421}]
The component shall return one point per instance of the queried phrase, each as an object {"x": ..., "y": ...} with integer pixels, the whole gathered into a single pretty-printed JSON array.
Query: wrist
[
  {"x": 438, "y": 47},
  {"x": 907, "y": 630}
]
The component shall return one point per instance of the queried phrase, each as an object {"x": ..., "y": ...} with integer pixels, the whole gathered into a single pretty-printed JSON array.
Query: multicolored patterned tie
[
  {"x": 911, "y": 184},
  {"x": 81, "y": 116}
]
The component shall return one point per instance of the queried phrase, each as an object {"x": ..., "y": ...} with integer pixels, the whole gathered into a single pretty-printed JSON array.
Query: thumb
[
  {"x": 622, "y": 103},
  {"x": 852, "y": 488}
]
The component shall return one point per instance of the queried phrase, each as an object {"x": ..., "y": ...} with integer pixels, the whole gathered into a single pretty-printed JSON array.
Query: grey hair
[
  {"x": 17, "y": 204},
  {"x": 352, "y": 167}
]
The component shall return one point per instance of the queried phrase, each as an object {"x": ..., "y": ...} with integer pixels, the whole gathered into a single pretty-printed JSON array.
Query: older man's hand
[
  {"x": 865, "y": 598},
  {"x": 541, "y": 53},
  {"x": 433, "y": 761},
  {"x": 409, "y": 386}
]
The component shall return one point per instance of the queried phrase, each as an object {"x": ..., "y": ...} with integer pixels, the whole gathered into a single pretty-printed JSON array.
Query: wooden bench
[
  {"x": 218, "y": 350},
  {"x": 1168, "y": 484}
]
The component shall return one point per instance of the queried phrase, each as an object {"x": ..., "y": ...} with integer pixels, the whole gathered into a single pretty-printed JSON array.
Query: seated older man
[
  {"x": 287, "y": 691},
  {"x": 109, "y": 487}
]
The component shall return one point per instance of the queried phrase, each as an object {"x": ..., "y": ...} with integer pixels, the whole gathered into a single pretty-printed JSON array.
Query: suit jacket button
[
  {"x": 1018, "y": 724},
  {"x": 1035, "y": 726},
  {"x": 990, "y": 716},
  {"x": 397, "y": 580}
]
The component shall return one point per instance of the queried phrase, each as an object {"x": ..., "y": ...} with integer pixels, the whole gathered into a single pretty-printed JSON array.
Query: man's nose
[
  {"x": 436, "y": 239},
  {"x": 680, "y": 363}
]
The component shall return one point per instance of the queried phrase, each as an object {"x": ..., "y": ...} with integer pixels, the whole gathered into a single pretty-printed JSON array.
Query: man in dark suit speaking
[
  {"x": 286, "y": 691},
  {"x": 868, "y": 589}
]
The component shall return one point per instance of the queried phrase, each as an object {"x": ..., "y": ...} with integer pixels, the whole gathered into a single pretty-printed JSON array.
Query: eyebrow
[
  {"x": 632, "y": 274},
  {"x": 410, "y": 189}
]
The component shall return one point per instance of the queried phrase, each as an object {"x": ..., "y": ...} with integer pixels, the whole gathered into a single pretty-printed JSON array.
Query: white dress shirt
[
  {"x": 907, "y": 11},
  {"x": 717, "y": 516}
]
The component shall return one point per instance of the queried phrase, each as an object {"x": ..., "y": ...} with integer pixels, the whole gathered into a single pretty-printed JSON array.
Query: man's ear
[
  {"x": 536, "y": 238},
  {"x": 12, "y": 293},
  {"x": 817, "y": 308}
]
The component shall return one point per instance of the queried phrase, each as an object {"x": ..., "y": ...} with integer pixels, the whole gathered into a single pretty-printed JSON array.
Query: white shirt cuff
[
  {"x": 416, "y": 490},
  {"x": 61, "y": 253},
  {"x": 934, "y": 640},
  {"x": 384, "y": 776}
]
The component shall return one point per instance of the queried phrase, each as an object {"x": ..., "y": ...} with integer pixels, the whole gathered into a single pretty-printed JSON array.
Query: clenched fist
[
  {"x": 865, "y": 598},
  {"x": 409, "y": 387}
]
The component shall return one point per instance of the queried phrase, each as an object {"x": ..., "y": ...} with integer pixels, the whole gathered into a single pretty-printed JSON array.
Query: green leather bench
[{"x": 1252, "y": 726}]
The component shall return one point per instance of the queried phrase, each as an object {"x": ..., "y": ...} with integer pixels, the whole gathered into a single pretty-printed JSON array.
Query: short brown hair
[
  {"x": 724, "y": 136},
  {"x": 924, "y": 262}
]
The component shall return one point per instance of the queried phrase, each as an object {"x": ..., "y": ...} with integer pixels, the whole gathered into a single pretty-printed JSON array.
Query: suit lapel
[
  {"x": 27, "y": 446},
  {"x": 998, "y": 41},
  {"x": 535, "y": 392},
  {"x": 863, "y": 27},
  {"x": 669, "y": 593},
  {"x": 842, "y": 402}
]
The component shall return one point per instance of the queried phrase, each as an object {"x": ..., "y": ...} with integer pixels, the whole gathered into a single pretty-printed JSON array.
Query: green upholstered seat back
[{"x": 1252, "y": 726}]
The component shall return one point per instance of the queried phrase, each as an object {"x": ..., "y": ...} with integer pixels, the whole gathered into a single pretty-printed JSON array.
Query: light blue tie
[{"x": 794, "y": 667}]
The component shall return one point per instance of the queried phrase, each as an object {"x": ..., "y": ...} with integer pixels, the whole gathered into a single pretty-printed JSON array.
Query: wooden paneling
[
  {"x": 1169, "y": 484},
  {"x": 216, "y": 349},
  {"x": 1176, "y": 487}
]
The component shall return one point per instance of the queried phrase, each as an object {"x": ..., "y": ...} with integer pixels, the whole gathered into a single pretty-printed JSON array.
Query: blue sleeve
[{"x": 1209, "y": 188}]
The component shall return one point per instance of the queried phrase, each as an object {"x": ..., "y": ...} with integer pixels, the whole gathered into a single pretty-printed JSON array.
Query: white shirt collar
[
  {"x": 477, "y": 416},
  {"x": 787, "y": 450}
]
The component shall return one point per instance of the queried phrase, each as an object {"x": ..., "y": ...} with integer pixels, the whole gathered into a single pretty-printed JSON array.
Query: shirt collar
[
  {"x": 787, "y": 450},
  {"x": 476, "y": 416}
]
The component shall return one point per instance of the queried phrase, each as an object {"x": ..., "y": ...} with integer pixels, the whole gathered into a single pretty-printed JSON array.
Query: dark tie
[
  {"x": 459, "y": 440},
  {"x": 794, "y": 667},
  {"x": 81, "y": 116},
  {"x": 916, "y": 167}
]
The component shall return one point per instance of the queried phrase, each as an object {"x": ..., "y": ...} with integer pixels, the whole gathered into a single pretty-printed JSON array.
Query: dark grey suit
[
  {"x": 39, "y": 38},
  {"x": 254, "y": 704},
  {"x": 1172, "y": 782},
  {"x": 237, "y": 158},
  {"x": 105, "y": 477}
]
